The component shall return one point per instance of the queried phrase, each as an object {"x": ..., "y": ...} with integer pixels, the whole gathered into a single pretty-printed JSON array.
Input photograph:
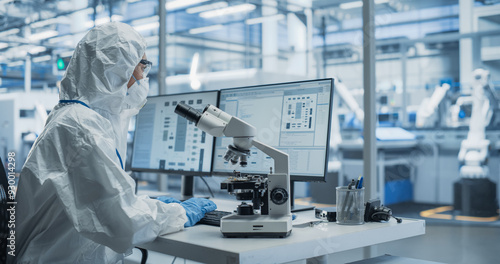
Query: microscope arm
[{"x": 281, "y": 163}]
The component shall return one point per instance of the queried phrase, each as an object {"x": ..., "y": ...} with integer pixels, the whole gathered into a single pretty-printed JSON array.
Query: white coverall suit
[{"x": 75, "y": 203}]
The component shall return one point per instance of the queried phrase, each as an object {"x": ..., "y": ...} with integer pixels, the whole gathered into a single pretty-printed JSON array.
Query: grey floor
[{"x": 441, "y": 243}]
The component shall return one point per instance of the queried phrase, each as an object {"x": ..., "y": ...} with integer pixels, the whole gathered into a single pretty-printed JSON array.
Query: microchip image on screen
[
  {"x": 166, "y": 142},
  {"x": 292, "y": 117}
]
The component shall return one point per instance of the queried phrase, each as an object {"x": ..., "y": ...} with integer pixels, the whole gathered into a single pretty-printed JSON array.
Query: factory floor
[{"x": 454, "y": 244}]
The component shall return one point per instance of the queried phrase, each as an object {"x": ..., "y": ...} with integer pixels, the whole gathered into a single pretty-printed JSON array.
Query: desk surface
[{"x": 206, "y": 244}]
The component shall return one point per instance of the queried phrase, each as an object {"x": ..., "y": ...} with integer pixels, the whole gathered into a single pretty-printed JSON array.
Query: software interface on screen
[
  {"x": 165, "y": 141},
  {"x": 293, "y": 117}
]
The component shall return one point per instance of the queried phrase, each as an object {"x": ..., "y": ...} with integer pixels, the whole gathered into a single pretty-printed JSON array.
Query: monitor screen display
[
  {"x": 167, "y": 142},
  {"x": 292, "y": 117}
]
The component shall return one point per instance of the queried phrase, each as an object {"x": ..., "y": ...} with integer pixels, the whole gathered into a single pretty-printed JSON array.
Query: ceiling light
[
  {"x": 15, "y": 64},
  {"x": 351, "y": 5},
  {"x": 43, "y": 35},
  {"x": 258, "y": 20},
  {"x": 42, "y": 58},
  {"x": 44, "y": 23},
  {"x": 116, "y": 18},
  {"x": 228, "y": 10},
  {"x": 9, "y": 32},
  {"x": 36, "y": 49},
  {"x": 176, "y": 4},
  {"x": 205, "y": 29},
  {"x": 203, "y": 8},
  {"x": 149, "y": 26},
  {"x": 357, "y": 4}
]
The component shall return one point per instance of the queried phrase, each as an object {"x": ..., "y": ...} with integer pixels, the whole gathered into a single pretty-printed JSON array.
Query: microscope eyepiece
[{"x": 188, "y": 112}]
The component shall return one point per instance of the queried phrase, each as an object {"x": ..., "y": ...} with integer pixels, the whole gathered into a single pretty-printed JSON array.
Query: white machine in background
[
  {"x": 474, "y": 150},
  {"x": 474, "y": 193},
  {"x": 269, "y": 215},
  {"x": 426, "y": 113}
]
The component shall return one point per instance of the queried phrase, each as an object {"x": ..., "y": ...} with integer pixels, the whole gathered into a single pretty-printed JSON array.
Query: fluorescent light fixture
[
  {"x": 116, "y": 18},
  {"x": 133, "y": 1},
  {"x": 203, "y": 8},
  {"x": 147, "y": 26},
  {"x": 9, "y": 32},
  {"x": 176, "y": 4},
  {"x": 356, "y": 4},
  {"x": 351, "y": 5},
  {"x": 258, "y": 20},
  {"x": 44, "y": 23},
  {"x": 15, "y": 64},
  {"x": 36, "y": 49},
  {"x": 194, "y": 82},
  {"x": 3, "y": 45},
  {"x": 43, "y": 35},
  {"x": 205, "y": 29},
  {"x": 228, "y": 10},
  {"x": 42, "y": 58},
  {"x": 60, "y": 39},
  {"x": 98, "y": 21}
]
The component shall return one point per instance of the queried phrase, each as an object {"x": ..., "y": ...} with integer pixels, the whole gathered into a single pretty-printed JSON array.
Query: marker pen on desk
[{"x": 360, "y": 183}]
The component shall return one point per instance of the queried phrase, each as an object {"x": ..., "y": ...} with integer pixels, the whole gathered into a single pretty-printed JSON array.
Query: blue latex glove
[
  {"x": 168, "y": 200},
  {"x": 196, "y": 209}
]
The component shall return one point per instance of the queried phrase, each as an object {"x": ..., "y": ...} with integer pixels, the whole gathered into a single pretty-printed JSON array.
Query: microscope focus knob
[{"x": 279, "y": 196}]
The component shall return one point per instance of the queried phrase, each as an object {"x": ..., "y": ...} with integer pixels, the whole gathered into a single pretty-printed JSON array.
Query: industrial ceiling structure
[{"x": 40, "y": 35}]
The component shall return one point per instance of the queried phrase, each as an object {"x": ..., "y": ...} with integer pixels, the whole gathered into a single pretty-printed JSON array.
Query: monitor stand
[
  {"x": 187, "y": 188},
  {"x": 297, "y": 207}
]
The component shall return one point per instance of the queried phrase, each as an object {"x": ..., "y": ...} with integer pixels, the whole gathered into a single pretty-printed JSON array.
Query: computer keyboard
[{"x": 213, "y": 218}]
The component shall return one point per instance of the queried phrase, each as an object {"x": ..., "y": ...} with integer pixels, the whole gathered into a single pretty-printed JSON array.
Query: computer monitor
[
  {"x": 292, "y": 117},
  {"x": 168, "y": 143}
]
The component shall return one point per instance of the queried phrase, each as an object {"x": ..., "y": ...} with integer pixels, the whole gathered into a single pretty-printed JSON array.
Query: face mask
[{"x": 136, "y": 95}]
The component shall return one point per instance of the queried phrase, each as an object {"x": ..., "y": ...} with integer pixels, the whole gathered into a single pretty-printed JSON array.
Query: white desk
[{"x": 206, "y": 244}]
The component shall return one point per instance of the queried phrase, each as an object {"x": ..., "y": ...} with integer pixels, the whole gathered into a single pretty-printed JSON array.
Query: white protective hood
[{"x": 75, "y": 203}]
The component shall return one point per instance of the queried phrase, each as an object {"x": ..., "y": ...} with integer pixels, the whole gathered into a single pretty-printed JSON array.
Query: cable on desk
[{"x": 209, "y": 189}]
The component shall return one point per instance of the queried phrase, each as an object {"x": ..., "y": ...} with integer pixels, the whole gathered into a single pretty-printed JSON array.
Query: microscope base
[{"x": 256, "y": 226}]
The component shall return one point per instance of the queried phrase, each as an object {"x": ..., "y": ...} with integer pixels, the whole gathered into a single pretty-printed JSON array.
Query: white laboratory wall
[{"x": 13, "y": 133}]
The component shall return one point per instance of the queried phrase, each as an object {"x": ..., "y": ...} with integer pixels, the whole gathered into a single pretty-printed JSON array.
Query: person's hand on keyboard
[{"x": 196, "y": 209}]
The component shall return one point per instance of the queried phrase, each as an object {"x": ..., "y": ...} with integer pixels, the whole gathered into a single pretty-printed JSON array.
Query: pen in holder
[{"x": 350, "y": 206}]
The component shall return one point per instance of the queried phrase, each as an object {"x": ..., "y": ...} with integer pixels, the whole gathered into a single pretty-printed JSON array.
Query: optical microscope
[{"x": 269, "y": 215}]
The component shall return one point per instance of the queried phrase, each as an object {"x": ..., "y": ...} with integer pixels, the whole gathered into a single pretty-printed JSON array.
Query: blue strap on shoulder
[
  {"x": 120, "y": 158},
  {"x": 73, "y": 101}
]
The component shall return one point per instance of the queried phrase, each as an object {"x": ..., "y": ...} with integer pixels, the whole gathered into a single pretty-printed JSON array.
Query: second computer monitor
[
  {"x": 292, "y": 117},
  {"x": 167, "y": 142}
]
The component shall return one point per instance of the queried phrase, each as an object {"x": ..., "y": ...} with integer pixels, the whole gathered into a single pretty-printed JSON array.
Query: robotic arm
[{"x": 474, "y": 150}]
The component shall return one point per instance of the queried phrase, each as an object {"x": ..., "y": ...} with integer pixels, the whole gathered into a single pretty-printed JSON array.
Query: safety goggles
[{"x": 148, "y": 65}]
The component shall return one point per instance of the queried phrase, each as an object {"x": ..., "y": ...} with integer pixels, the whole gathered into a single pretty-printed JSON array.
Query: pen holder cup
[{"x": 350, "y": 206}]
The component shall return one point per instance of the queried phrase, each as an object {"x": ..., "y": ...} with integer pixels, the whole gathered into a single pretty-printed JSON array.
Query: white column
[
  {"x": 27, "y": 74},
  {"x": 466, "y": 11},
  {"x": 269, "y": 37},
  {"x": 297, "y": 39}
]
